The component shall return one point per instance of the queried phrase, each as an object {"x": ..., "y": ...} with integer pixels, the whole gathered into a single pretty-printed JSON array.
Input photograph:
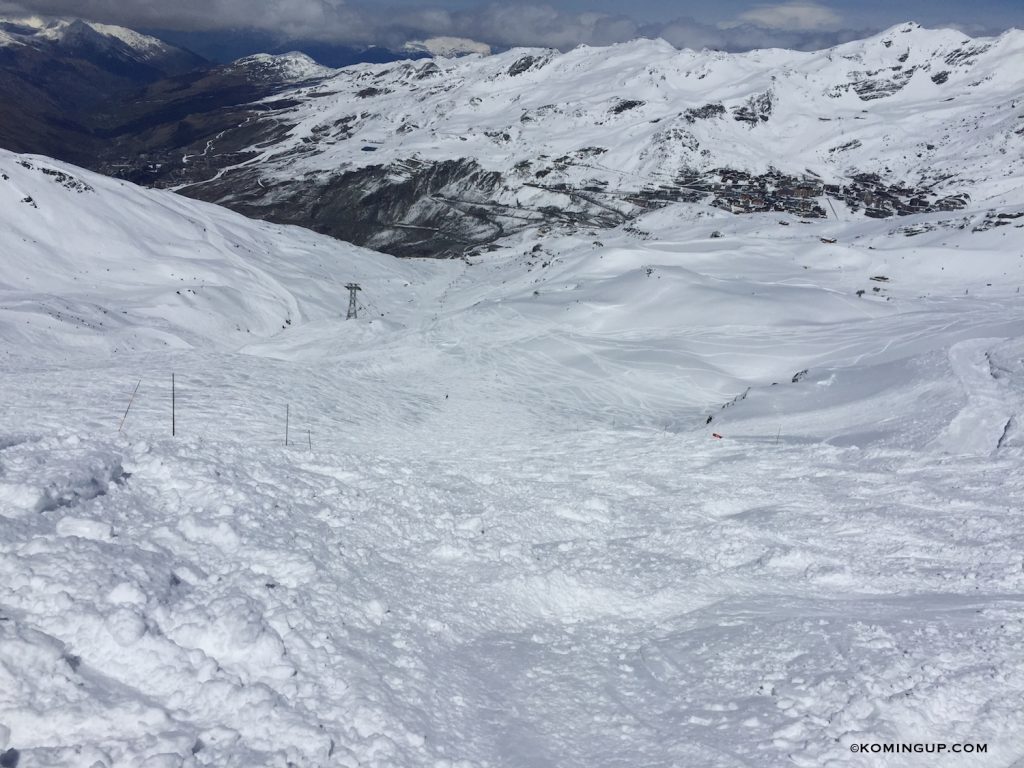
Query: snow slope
[
  {"x": 95, "y": 262},
  {"x": 502, "y": 533}
]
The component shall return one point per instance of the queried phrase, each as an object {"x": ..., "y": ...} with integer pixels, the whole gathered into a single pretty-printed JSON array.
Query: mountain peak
[
  {"x": 64, "y": 31},
  {"x": 285, "y": 66}
]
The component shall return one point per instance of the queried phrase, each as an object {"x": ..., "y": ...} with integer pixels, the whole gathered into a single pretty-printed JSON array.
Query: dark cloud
[{"x": 794, "y": 24}]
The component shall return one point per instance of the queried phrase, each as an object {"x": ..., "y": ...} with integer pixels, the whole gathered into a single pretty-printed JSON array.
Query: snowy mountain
[
  {"x": 442, "y": 156},
  {"x": 88, "y": 39},
  {"x": 446, "y": 156},
  {"x": 448, "y": 47},
  {"x": 181, "y": 275},
  {"x": 115, "y": 49},
  {"x": 292, "y": 68},
  {"x": 55, "y": 76},
  {"x": 694, "y": 489}
]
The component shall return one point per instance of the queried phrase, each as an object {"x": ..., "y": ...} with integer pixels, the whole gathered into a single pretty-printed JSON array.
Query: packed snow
[{"x": 706, "y": 490}]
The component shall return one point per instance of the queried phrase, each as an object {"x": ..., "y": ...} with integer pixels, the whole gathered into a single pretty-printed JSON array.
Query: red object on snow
[{"x": 715, "y": 434}]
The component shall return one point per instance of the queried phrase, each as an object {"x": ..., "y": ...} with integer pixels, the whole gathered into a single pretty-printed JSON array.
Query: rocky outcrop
[{"x": 757, "y": 109}]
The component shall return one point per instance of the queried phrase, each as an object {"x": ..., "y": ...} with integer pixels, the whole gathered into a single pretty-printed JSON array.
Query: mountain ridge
[
  {"x": 446, "y": 156},
  {"x": 598, "y": 135}
]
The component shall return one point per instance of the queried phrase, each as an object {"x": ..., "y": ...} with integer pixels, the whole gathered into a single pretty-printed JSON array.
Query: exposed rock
[
  {"x": 847, "y": 146},
  {"x": 622, "y": 106},
  {"x": 525, "y": 64},
  {"x": 966, "y": 55},
  {"x": 875, "y": 84},
  {"x": 993, "y": 220},
  {"x": 706, "y": 112},
  {"x": 757, "y": 109}
]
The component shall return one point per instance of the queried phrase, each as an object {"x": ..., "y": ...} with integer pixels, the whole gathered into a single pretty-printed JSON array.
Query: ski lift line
[
  {"x": 621, "y": 172},
  {"x": 373, "y": 307}
]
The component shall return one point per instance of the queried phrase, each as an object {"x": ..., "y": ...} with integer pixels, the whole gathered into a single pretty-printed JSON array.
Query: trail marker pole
[
  {"x": 130, "y": 401},
  {"x": 831, "y": 206},
  {"x": 287, "y": 415},
  {"x": 778, "y": 435},
  {"x": 309, "y": 436},
  {"x": 353, "y": 303},
  {"x": 173, "y": 414}
]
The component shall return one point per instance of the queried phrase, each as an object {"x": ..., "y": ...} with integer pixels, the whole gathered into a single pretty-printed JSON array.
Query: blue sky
[{"x": 724, "y": 24}]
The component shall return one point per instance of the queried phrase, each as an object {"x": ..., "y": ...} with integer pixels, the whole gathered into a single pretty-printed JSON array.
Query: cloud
[
  {"x": 736, "y": 37},
  {"x": 289, "y": 16},
  {"x": 792, "y": 16},
  {"x": 802, "y": 25}
]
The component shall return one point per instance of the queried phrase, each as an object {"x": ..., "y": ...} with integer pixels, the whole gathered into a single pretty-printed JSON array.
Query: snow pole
[
  {"x": 287, "y": 415},
  {"x": 130, "y": 401},
  {"x": 173, "y": 414},
  {"x": 778, "y": 435},
  {"x": 309, "y": 436}
]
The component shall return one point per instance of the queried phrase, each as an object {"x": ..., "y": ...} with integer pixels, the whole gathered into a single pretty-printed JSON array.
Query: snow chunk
[
  {"x": 17, "y": 499},
  {"x": 85, "y": 529},
  {"x": 126, "y": 626},
  {"x": 126, "y": 593}
]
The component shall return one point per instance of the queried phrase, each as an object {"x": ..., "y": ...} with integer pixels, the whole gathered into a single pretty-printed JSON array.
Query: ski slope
[{"x": 502, "y": 532}]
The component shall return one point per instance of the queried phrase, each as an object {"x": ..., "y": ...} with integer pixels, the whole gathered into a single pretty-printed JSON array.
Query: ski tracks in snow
[
  {"x": 653, "y": 600},
  {"x": 991, "y": 372}
]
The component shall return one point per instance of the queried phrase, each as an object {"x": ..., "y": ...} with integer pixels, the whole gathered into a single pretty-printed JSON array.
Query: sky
[{"x": 732, "y": 25}]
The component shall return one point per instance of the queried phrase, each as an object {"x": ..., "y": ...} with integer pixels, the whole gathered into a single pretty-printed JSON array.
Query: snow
[
  {"x": 502, "y": 532},
  {"x": 140, "y": 43},
  {"x": 292, "y": 66},
  {"x": 532, "y": 106},
  {"x": 35, "y": 28}
]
